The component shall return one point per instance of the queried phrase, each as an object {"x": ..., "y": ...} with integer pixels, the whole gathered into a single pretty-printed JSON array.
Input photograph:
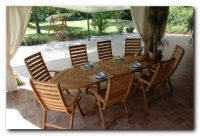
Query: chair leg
[
  {"x": 68, "y": 92},
  {"x": 80, "y": 109},
  {"x": 125, "y": 107},
  {"x": 134, "y": 87},
  {"x": 86, "y": 90},
  {"x": 101, "y": 113},
  {"x": 161, "y": 90},
  {"x": 170, "y": 85},
  {"x": 144, "y": 95},
  {"x": 44, "y": 119},
  {"x": 145, "y": 99},
  {"x": 72, "y": 117},
  {"x": 98, "y": 87}
]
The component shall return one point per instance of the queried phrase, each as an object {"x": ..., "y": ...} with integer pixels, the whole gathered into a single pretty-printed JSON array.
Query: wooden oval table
[{"x": 80, "y": 77}]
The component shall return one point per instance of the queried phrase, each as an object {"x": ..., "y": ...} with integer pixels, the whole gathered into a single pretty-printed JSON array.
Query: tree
[
  {"x": 125, "y": 15},
  {"x": 36, "y": 19},
  {"x": 100, "y": 20}
]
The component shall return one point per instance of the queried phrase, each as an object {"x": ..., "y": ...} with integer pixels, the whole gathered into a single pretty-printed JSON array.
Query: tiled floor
[{"x": 176, "y": 112}]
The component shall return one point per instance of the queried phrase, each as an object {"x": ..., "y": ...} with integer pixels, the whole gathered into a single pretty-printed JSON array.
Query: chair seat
[{"x": 69, "y": 99}]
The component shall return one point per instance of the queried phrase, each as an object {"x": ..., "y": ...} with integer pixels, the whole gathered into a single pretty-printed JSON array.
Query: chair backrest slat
[
  {"x": 104, "y": 50},
  {"x": 118, "y": 88},
  {"x": 37, "y": 68},
  {"x": 49, "y": 95},
  {"x": 78, "y": 54},
  {"x": 162, "y": 72},
  {"x": 132, "y": 46},
  {"x": 178, "y": 55}
]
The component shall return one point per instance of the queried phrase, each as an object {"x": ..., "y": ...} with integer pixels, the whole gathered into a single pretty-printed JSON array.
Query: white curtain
[
  {"x": 139, "y": 16},
  {"x": 17, "y": 18}
]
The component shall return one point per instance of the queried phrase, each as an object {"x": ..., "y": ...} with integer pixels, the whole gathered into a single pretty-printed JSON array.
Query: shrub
[
  {"x": 179, "y": 19},
  {"x": 120, "y": 28},
  {"x": 34, "y": 40},
  {"x": 19, "y": 81}
]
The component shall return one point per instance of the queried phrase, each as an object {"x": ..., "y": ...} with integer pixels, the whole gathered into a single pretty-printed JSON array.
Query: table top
[{"x": 80, "y": 77}]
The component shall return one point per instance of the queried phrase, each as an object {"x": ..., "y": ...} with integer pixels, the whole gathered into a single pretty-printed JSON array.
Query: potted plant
[
  {"x": 130, "y": 29},
  {"x": 161, "y": 45}
]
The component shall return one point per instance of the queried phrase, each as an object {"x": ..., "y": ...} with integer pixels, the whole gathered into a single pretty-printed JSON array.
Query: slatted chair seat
[
  {"x": 118, "y": 89},
  {"x": 132, "y": 46},
  {"x": 159, "y": 78},
  {"x": 104, "y": 50},
  {"x": 78, "y": 55},
  {"x": 50, "y": 98}
]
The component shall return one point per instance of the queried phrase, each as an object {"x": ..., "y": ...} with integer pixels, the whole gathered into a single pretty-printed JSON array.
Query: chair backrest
[
  {"x": 104, "y": 50},
  {"x": 118, "y": 88},
  {"x": 162, "y": 72},
  {"x": 132, "y": 46},
  {"x": 178, "y": 55},
  {"x": 37, "y": 68},
  {"x": 78, "y": 54},
  {"x": 49, "y": 95}
]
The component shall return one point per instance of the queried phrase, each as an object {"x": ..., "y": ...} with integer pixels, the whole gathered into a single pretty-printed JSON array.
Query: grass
[{"x": 75, "y": 27}]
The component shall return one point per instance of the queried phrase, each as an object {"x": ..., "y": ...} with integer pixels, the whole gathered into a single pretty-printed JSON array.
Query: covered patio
[{"x": 175, "y": 112}]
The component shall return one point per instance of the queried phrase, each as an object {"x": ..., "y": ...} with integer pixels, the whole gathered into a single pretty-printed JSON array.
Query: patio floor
[{"x": 176, "y": 112}]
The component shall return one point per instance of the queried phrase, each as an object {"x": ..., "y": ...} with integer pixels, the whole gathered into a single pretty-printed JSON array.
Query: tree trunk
[
  {"x": 100, "y": 26},
  {"x": 37, "y": 22}
]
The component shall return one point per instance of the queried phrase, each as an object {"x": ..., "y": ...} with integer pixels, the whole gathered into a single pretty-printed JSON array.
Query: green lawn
[{"x": 75, "y": 27}]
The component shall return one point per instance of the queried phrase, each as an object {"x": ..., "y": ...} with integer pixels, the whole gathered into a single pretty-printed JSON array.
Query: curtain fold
[
  {"x": 139, "y": 16},
  {"x": 17, "y": 18},
  {"x": 151, "y": 23}
]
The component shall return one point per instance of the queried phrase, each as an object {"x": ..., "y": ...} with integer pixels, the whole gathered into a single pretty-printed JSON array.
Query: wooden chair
[
  {"x": 117, "y": 91},
  {"x": 178, "y": 55},
  {"x": 37, "y": 68},
  {"x": 132, "y": 46},
  {"x": 50, "y": 97},
  {"x": 78, "y": 55},
  {"x": 159, "y": 77},
  {"x": 104, "y": 50}
]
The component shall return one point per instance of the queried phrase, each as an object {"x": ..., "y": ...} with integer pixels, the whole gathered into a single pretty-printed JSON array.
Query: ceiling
[{"x": 94, "y": 9}]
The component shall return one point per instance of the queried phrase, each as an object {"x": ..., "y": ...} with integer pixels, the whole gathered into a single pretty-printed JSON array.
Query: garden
[{"x": 102, "y": 23}]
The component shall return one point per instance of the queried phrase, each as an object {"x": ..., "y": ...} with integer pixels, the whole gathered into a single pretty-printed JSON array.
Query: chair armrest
[
  {"x": 98, "y": 97},
  {"x": 73, "y": 97},
  {"x": 53, "y": 71},
  {"x": 143, "y": 81},
  {"x": 152, "y": 70}
]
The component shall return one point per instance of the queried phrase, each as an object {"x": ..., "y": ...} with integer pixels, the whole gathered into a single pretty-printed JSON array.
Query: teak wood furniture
[
  {"x": 159, "y": 78},
  {"x": 104, "y": 49},
  {"x": 79, "y": 77},
  {"x": 37, "y": 68},
  {"x": 132, "y": 46},
  {"x": 118, "y": 89},
  {"x": 78, "y": 55},
  {"x": 50, "y": 97},
  {"x": 178, "y": 55}
]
